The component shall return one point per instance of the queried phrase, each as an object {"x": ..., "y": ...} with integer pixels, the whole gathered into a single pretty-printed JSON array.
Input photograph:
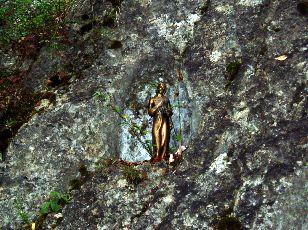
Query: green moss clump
[
  {"x": 203, "y": 9},
  {"x": 133, "y": 175},
  {"x": 105, "y": 164},
  {"x": 232, "y": 70},
  {"x": 75, "y": 184},
  {"x": 110, "y": 19}
]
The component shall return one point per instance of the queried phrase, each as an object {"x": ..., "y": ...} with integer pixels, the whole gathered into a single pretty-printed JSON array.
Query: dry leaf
[
  {"x": 176, "y": 94},
  {"x": 281, "y": 58},
  {"x": 180, "y": 75}
]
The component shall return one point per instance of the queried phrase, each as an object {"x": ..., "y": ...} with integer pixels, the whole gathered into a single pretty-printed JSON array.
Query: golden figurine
[{"x": 160, "y": 109}]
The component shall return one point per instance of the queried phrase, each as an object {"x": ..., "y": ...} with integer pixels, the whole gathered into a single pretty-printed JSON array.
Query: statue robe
[{"x": 161, "y": 111}]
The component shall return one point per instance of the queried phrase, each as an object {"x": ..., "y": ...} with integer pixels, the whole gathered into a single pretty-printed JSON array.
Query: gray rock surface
[{"x": 246, "y": 120}]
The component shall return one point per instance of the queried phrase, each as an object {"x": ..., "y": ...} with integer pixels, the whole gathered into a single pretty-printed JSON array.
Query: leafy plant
[
  {"x": 97, "y": 94},
  {"x": 232, "y": 70},
  {"x": 133, "y": 175},
  {"x": 179, "y": 137},
  {"x": 24, "y": 216},
  {"x": 57, "y": 200},
  {"x": 137, "y": 131},
  {"x": 9, "y": 123},
  {"x": 20, "y": 18},
  {"x": 111, "y": 17}
]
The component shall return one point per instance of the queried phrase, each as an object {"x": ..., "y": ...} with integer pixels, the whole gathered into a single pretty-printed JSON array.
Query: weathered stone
[{"x": 246, "y": 135}]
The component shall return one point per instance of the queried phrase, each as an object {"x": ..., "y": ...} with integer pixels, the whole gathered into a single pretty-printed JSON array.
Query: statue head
[{"x": 161, "y": 88}]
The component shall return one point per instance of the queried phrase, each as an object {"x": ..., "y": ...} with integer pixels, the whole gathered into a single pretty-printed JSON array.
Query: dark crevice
[
  {"x": 229, "y": 223},
  {"x": 54, "y": 81},
  {"x": 232, "y": 70},
  {"x": 58, "y": 79},
  {"x": 115, "y": 45},
  {"x": 87, "y": 28},
  {"x": 85, "y": 17},
  {"x": 16, "y": 114},
  {"x": 302, "y": 8},
  {"x": 203, "y": 9},
  {"x": 85, "y": 175},
  {"x": 109, "y": 21},
  {"x": 115, "y": 3}
]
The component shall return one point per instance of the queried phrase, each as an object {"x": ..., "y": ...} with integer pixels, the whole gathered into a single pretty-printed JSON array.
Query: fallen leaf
[
  {"x": 176, "y": 94},
  {"x": 281, "y": 58},
  {"x": 180, "y": 75}
]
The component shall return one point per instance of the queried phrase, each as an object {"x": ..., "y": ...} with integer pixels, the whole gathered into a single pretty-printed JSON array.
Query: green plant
[
  {"x": 231, "y": 72},
  {"x": 110, "y": 18},
  {"x": 233, "y": 67},
  {"x": 137, "y": 131},
  {"x": 10, "y": 123},
  {"x": 133, "y": 175},
  {"x": 107, "y": 32},
  {"x": 97, "y": 94},
  {"x": 179, "y": 137},
  {"x": 105, "y": 164},
  {"x": 20, "y": 18},
  {"x": 24, "y": 216},
  {"x": 57, "y": 200}
]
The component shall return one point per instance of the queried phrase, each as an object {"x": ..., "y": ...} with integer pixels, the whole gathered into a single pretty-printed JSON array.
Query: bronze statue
[{"x": 160, "y": 109}]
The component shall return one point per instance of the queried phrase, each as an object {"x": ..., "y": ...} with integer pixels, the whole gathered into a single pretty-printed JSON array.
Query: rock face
[{"x": 237, "y": 73}]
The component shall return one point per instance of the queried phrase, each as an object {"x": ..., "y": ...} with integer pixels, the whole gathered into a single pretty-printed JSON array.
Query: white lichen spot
[
  {"x": 241, "y": 115},
  {"x": 250, "y": 2},
  {"x": 122, "y": 183},
  {"x": 284, "y": 182},
  {"x": 43, "y": 104},
  {"x": 105, "y": 227},
  {"x": 226, "y": 9},
  {"x": 168, "y": 199},
  {"x": 215, "y": 56},
  {"x": 220, "y": 164},
  {"x": 191, "y": 219},
  {"x": 176, "y": 32},
  {"x": 252, "y": 183},
  {"x": 301, "y": 65},
  {"x": 145, "y": 3},
  {"x": 250, "y": 72}
]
